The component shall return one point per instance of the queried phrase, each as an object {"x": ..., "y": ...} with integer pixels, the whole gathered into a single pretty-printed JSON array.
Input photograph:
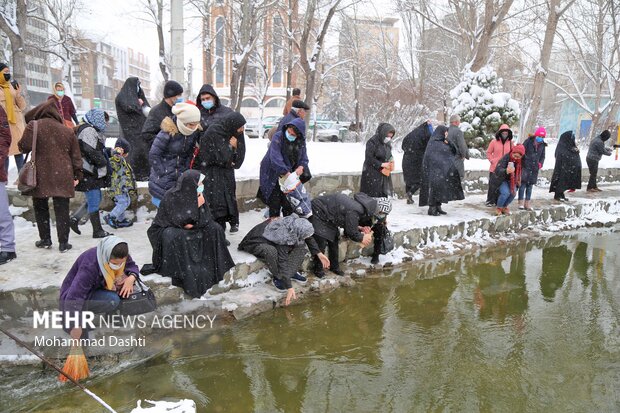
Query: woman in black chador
[
  {"x": 567, "y": 170},
  {"x": 441, "y": 182},
  {"x": 188, "y": 245}
]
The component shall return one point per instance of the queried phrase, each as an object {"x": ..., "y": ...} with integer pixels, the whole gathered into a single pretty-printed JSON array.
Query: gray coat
[
  {"x": 598, "y": 149},
  {"x": 455, "y": 135}
]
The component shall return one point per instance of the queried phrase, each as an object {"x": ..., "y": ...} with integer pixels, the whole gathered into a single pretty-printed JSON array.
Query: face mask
[
  {"x": 207, "y": 104},
  {"x": 387, "y": 139},
  {"x": 504, "y": 135},
  {"x": 7, "y": 76},
  {"x": 539, "y": 139},
  {"x": 200, "y": 189},
  {"x": 60, "y": 93},
  {"x": 116, "y": 267},
  {"x": 290, "y": 137},
  {"x": 179, "y": 100}
]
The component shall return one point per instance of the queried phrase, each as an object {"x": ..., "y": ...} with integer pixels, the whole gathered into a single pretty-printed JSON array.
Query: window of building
[
  {"x": 249, "y": 103},
  {"x": 276, "y": 103}
]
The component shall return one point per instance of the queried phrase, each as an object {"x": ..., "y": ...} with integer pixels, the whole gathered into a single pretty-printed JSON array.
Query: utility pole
[
  {"x": 190, "y": 72},
  {"x": 177, "y": 43}
]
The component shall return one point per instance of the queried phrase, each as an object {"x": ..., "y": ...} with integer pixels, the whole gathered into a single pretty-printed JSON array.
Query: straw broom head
[{"x": 76, "y": 365}]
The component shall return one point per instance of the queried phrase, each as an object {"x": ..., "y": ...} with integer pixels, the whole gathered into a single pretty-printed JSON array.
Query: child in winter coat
[{"x": 123, "y": 185}]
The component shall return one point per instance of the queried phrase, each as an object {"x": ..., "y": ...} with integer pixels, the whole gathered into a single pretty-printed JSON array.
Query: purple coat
[
  {"x": 276, "y": 161},
  {"x": 84, "y": 278}
]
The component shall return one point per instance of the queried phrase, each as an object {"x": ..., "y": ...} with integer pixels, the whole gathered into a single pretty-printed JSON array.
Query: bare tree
[
  {"x": 203, "y": 7},
  {"x": 152, "y": 11},
  {"x": 13, "y": 22}
]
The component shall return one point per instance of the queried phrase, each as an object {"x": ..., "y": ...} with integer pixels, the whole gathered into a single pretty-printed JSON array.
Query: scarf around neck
[{"x": 8, "y": 96}]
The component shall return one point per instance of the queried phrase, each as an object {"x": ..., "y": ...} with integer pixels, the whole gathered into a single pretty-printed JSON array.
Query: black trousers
[
  {"x": 593, "y": 168},
  {"x": 42, "y": 216},
  {"x": 277, "y": 202},
  {"x": 494, "y": 184},
  {"x": 282, "y": 261},
  {"x": 332, "y": 253}
]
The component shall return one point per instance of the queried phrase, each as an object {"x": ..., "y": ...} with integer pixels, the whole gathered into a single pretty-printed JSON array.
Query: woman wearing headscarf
[
  {"x": 567, "y": 170},
  {"x": 441, "y": 182},
  {"x": 287, "y": 154},
  {"x": 98, "y": 279},
  {"x": 96, "y": 169},
  {"x": 13, "y": 104},
  {"x": 414, "y": 146},
  {"x": 132, "y": 107},
  {"x": 281, "y": 244},
  {"x": 172, "y": 149},
  {"x": 222, "y": 150},
  {"x": 59, "y": 168},
  {"x": 188, "y": 245},
  {"x": 509, "y": 172},
  {"x": 378, "y": 163},
  {"x": 498, "y": 147},
  {"x": 64, "y": 104},
  {"x": 532, "y": 163}
]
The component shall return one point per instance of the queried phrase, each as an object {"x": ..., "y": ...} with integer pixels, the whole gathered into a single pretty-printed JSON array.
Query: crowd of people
[{"x": 189, "y": 151}]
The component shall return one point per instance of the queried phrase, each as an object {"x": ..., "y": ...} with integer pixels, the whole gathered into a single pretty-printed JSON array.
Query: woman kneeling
[{"x": 508, "y": 172}]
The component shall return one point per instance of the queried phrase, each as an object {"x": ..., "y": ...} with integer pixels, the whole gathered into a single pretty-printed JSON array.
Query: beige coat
[{"x": 17, "y": 128}]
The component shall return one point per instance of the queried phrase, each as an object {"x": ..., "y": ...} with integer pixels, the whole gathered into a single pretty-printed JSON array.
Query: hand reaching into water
[
  {"x": 290, "y": 295},
  {"x": 324, "y": 260}
]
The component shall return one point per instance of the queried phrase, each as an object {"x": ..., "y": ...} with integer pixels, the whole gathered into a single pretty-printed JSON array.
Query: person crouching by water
[
  {"x": 508, "y": 172},
  {"x": 98, "y": 279},
  {"x": 441, "y": 182},
  {"x": 279, "y": 242},
  {"x": 188, "y": 245}
]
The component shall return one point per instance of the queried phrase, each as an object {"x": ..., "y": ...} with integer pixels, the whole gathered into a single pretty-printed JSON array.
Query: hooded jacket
[
  {"x": 217, "y": 112},
  {"x": 169, "y": 156},
  {"x": 497, "y": 149},
  {"x": 597, "y": 148},
  {"x": 333, "y": 211},
  {"x": 373, "y": 182}
]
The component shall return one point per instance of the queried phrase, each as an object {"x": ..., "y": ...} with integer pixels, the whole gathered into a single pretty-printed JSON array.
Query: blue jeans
[
  {"x": 121, "y": 203},
  {"x": 102, "y": 301},
  {"x": 93, "y": 199},
  {"x": 19, "y": 162},
  {"x": 155, "y": 201},
  {"x": 505, "y": 197},
  {"x": 527, "y": 189}
]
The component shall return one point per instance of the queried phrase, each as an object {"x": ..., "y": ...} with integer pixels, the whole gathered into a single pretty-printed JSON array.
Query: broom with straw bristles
[{"x": 76, "y": 365}]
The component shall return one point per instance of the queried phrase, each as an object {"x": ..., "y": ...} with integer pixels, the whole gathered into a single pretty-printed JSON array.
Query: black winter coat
[
  {"x": 567, "y": 170},
  {"x": 414, "y": 146},
  {"x": 534, "y": 154},
  {"x": 441, "y": 182},
  {"x": 131, "y": 119},
  {"x": 95, "y": 156},
  {"x": 217, "y": 161},
  {"x": 151, "y": 128},
  {"x": 374, "y": 183},
  {"x": 330, "y": 212},
  {"x": 216, "y": 113}
]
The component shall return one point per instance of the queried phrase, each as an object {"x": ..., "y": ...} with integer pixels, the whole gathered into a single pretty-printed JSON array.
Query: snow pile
[
  {"x": 482, "y": 105},
  {"x": 182, "y": 406}
]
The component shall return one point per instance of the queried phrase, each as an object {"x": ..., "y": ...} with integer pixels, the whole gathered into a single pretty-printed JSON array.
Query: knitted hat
[
  {"x": 172, "y": 88},
  {"x": 540, "y": 132},
  {"x": 384, "y": 206},
  {"x": 605, "y": 135},
  {"x": 186, "y": 113},
  {"x": 520, "y": 149},
  {"x": 123, "y": 144}
]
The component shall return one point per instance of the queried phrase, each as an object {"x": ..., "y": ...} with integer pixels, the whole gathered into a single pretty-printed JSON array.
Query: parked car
[
  {"x": 251, "y": 127},
  {"x": 328, "y": 131},
  {"x": 113, "y": 130}
]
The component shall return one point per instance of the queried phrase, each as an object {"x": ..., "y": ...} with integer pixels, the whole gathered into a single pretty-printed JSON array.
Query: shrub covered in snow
[{"x": 482, "y": 105}]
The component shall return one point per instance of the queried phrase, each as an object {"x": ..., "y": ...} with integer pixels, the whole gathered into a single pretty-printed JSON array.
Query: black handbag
[
  {"x": 138, "y": 302},
  {"x": 387, "y": 242}
]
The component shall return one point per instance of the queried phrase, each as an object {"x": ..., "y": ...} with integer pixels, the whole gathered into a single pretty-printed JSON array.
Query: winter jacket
[
  {"x": 502, "y": 166},
  {"x": 597, "y": 149},
  {"x": 84, "y": 278},
  {"x": 217, "y": 112},
  {"x": 333, "y": 211},
  {"x": 414, "y": 146},
  {"x": 567, "y": 170},
  {"x": 123, "y": 181},
  {"x": 95, "y": 164},
  {"x": 373, "y": 182},
  {"x": 289, "y": 104},
  {"x": 534, "y": 155},
  {"x": 131, "y": 118},
  {"x": 288, "y": 118},
  {"x": 58, "y": 156},
  {"x": 455, "y": 135},
  {"x": 5, "y": 144},
  {"x": 497, "y": 149},
  {"x": 169, "y": 157},
  {"x": 277, "y": 161},
  {"x": 17, "y": 128},
  {"x": 66, "y": 108}
]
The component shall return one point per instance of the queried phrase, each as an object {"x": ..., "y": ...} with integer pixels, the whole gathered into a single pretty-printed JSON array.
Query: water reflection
[{"x": 555, "y": 264}]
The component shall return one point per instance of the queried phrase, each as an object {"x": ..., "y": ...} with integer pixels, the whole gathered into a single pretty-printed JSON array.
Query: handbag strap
[
  {"x": 35, "y": 130},
  {"x": 143, "y": 286}
]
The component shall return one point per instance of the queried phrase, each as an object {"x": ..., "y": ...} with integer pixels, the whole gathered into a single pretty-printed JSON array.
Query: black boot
[
  {"x": 441, "y": 211},
  {"x": 433, "y": 211},
  {"x": 74, "y": 224},
  {"x": 410, "y": 198},
  {"x": 98, "y": 232},
  {"x": 374, "y": 259}
]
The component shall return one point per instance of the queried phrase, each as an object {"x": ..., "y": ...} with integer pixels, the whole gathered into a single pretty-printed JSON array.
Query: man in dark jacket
[
  {"x": 172, "y": 94},
  {"x": 7, "y": 230},
  {"x": 355, "y": 215},
  {"x": 595, "y": 153},
  {"x": 132, "y": 108},
  {"x": 455, "y": 135},
  {"x": 211, "y": 108},
  {"x": 280, "y": 243},
  {"x": 414, "y": 146}
]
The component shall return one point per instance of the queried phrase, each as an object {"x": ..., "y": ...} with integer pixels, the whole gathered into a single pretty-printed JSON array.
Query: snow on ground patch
[{"x": 182, "y": 406}]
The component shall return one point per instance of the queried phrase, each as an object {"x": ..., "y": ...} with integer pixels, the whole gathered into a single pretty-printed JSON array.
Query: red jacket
[
  {"x": 5, "y": 143},
  {"x": 497, "y": 150}
]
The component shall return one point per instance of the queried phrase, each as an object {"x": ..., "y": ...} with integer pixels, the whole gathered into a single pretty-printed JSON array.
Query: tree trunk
[
  {"x": 163, "y": 67},
  {"x": 18, "y": 45},
  {"x": 207, "y": 41},
  {"x": 491, "y": 22}
]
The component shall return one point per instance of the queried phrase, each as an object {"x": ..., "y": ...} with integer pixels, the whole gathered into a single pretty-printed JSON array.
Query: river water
[{"x": 532, "y": 326}]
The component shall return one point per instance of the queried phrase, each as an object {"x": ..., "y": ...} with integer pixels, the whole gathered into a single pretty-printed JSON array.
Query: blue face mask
[
  {"x": 207, "y": 104},
  {"x": 290, "y": 137},
  {"x": 179, "y": 100},
  {"x": 200, "y": 189},
  {"x": 539, "y": 139}
]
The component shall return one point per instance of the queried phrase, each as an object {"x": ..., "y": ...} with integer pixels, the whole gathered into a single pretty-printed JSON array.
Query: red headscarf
[{"x": 515, "y": 178}]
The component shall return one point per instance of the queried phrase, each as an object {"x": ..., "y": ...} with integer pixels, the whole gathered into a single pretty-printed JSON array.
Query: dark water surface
[{"x": 532, "y": 326}]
